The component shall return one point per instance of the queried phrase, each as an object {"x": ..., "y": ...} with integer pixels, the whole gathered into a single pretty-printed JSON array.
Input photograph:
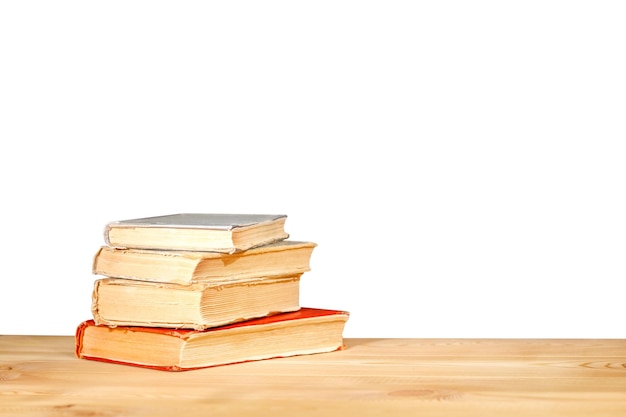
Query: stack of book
[{"x": 194, "y": 290}]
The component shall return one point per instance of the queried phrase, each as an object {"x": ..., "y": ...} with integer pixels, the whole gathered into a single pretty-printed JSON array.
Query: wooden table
[{"x": 40, "y": 376}]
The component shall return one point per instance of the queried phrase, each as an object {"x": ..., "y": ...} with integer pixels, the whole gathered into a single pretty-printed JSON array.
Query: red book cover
[{"x": 184, "y": 334}]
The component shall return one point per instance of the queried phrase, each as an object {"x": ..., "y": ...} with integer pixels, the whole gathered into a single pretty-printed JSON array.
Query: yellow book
[
  {"x": 117, "y": 302},
  {"x": 283, "y": 258}
]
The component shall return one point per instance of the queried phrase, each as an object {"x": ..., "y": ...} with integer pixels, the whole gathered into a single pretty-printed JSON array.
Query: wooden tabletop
[{"x": 40, "y": 376}]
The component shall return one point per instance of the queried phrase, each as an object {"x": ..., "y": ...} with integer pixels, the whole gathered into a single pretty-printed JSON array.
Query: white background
[{"x": 461, "y": 165}]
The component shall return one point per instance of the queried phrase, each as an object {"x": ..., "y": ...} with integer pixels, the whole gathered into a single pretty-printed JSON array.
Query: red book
[{"x": 306, "y": 331}]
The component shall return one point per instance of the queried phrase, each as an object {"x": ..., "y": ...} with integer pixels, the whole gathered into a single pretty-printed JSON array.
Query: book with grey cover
[{"x": 218, "y": 232}]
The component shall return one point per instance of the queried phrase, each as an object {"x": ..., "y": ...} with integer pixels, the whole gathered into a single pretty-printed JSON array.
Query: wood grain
[{"x": 40, "y": 376}]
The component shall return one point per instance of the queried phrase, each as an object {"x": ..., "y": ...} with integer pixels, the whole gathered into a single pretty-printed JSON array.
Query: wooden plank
[{"x": 39, "y": 375}]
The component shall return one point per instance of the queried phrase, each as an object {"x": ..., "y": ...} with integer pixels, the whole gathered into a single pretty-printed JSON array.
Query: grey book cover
[{"x": 217, "y": 221}]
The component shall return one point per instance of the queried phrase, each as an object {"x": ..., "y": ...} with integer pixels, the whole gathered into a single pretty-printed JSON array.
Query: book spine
[
  {"x": 107, "y": 228},
  {"x": 78, "y": 339},
  {"x": 94, "y": 302},
  {"x": 94, "y": 263}
]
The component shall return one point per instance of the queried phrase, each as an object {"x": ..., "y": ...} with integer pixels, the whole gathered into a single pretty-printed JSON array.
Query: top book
[{"x": 211, "y": 232}]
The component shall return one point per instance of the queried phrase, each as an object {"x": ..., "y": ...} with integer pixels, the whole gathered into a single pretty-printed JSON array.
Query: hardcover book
[
  {"x": 197, "y": 232},
  {"x": 281, "y": 258},
  {"x": 127, "y": 302},
  {"x": 306, "y": 331}
]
